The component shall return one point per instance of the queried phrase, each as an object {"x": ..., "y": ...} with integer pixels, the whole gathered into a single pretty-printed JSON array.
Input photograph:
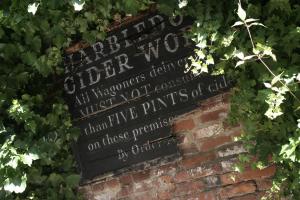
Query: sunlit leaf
[
  {"x": 241, "y": 62},
  {"x": 28, "y": 158},
  {"x": 251, "y": 20},
  {"x": 17, "y": 185},
  {"x": 240, "y": 55},
  {"x": 276, "y": 78},
  {"x": 78, "y": 4},
  {"x": 237, "y": 24},
  {"x": 241, "y": 12},
  {"x": 267, "y": 85},
  {"x": 32, "y": 8}
]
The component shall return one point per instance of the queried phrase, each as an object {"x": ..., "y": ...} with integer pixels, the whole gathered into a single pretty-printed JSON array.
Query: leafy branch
[{"x": 259, "y": 54}]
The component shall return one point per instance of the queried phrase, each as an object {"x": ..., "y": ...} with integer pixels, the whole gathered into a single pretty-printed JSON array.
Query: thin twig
[
  {"x": 249, "y": 33},
  {"x": 266, "y": 66},
  {"x": 289, "y": 90}
]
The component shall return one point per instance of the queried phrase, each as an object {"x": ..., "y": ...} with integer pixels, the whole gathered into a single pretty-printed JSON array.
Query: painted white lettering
[
  {"x": 93, "y": 79},
  {"x": 151, "y": 49},
  {"x": 113, "y": 43},
  {"x": 175, "y": 40},
  {"x": 109, "y": 69},
  {"x": 70, "y": 89},
  {"x": 98, "y": 49},
  {"x": 123, "y": 63}
]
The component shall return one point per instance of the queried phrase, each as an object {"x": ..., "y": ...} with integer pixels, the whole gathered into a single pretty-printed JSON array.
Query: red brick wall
[{"x": 205, "y": 170}]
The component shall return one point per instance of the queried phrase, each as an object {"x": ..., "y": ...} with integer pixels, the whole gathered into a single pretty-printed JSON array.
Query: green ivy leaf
[
  {"x": 131, "y": 6},
  {"x": 73, "y": 180},
  {"x": 55, "y": 179},
  {"x": 29, "y": 58},
  {"x": 36, "y": 44}
]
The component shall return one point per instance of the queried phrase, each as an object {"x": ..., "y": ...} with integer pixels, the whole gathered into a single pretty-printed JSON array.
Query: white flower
[
  {"x": 78, "y": 5},
  {"x": 32, "y": 8},
  {"x": 182, "y": 3}
]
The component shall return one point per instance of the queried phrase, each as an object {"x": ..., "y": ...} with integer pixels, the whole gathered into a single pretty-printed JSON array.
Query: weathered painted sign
[{"x": 123, "y": 93}]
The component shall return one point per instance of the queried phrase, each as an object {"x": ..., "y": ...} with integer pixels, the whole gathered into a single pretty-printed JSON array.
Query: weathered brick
[
  {"x": 213, "y": 143},
  {"x": 209, "y": 195},
  {"x": 216, "y": 168},
  {"x": 166, "y": 179},
  {"x": 126, "y": 179},
  {"x": 188, "y": 188},
  {"x": 112, "y": 183},
  {"x": 98, "y": 187},
  {"x": 184, "y": 125},
  {"x": 182, "y": 139},
  {"x": 188, "y": 149},
  {"x": 211, "y": 181},
  {"x": 237, "y": 190},
  {"x": 230, "y": 178},
  {"x": 145, "y": 196},
  {"x": 214, "y": 115},
  {"x": 213, "y": 129},
  {"x": 141, "y": 187},
  {"x": 205, "y": 195},
  {"x": 226, "y": 97},
  {"x": 140, "y": 176},
  {"x": 182, "y": 176},
  {"x": 194, "y": 161},
  {"x": 264, "y": 184},
  {"x": 197, "y": 172},
  {"x": 124, "y": 198},
  {"x": 246, "y": 197},
  {"x": 228, "y": 164},
  {"x": 108, "y": 193},
  {"x": 215, "y": 102},
  {"x": 165, "y": 182},
  {"x": 125, "y": 191},
  {"x": 169, "y": 168},
  {"x": 269, "y": 195},
  {"x": 164, "y": 195},
  {"x": 232, "y": 150},
  {"x": 248, "y": 175}
]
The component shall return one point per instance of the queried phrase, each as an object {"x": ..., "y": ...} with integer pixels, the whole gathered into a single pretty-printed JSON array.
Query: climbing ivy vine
[{"x": 255, "y": 42}]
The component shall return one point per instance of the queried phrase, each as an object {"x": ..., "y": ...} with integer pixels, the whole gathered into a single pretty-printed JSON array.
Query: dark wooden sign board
[{"x": 123, "y": 93}]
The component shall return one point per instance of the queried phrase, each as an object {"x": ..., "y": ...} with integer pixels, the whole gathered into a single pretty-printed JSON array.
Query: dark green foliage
[{"x": 36, "y": 133}]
